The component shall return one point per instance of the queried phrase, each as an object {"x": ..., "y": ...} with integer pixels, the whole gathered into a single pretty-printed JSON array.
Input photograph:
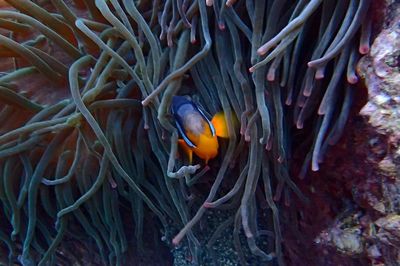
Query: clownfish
[{"x": 199, "y": 134}]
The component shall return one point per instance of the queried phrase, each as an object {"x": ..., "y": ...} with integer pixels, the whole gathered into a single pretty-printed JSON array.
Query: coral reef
[{"x": 89, "y": 155}]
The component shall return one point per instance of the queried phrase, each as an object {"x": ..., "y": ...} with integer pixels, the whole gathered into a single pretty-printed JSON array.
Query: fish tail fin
[
  {"x": 219, "y": 123},
  {"x": 186, "y": 149}
]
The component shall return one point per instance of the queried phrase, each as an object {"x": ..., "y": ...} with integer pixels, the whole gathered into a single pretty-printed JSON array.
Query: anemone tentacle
[{"x": 88, "y": 150}]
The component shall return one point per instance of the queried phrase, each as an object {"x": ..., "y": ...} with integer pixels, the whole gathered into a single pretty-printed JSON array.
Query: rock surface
[{"x": 369, "y": 225}]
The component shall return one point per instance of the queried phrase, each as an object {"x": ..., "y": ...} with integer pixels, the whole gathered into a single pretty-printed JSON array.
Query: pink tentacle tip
[
  {"x": 207, "y": 205},
  {"x": 271, "y": 76},
  {"x": 246, "y": 137},
  {"x": 321, "y": 111},
  {"x": 261, "y": 51},
  {"x": 112, "y": 183},
  {"x": 229, "y": 3},
  {"x": 319, "y": 74},
  {"x": 364, "y": 49},
  {"x": 310, "y": 64},
  {"x": 307, "y": 92},
  {"x": 353, "y": 79},
  {"x": 268, "y": 146},
  {"x": 176, "y": 241},
  {"x": 299, "y": 125}
]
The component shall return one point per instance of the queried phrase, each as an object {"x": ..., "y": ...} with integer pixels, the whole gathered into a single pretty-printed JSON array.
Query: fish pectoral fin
[
  {"x": 219, "y": 123},
  {"x": 186, "y": 149}
]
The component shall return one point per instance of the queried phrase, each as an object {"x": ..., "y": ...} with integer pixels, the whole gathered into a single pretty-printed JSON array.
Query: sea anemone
[{"x": 88, "y": 148}]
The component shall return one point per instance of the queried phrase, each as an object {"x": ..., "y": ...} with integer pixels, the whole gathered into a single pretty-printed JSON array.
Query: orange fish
[{"x": 199, "y": 134}]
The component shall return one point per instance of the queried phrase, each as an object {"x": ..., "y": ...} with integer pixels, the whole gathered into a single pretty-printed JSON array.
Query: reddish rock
[{"x": 355, "y": 197}]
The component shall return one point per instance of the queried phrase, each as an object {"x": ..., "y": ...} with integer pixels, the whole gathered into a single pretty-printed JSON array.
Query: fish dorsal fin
[{"x": 219, "y": 123}]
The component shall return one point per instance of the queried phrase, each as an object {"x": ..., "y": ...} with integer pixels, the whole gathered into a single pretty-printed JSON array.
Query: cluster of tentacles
[{"x": 88, "y": 150}]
